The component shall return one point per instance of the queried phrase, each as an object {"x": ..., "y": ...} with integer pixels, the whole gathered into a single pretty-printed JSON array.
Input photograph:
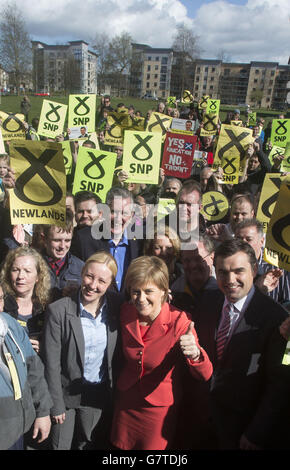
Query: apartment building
[
  {"x": 255, "y": 83},
  {"x": 206, "y": 78},
  {"x": 68, "y": 68},
  {"x": 150, "y": 72}
]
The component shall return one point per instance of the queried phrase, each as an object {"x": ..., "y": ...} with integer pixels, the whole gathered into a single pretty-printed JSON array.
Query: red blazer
[{"x": 157, "y": 366}]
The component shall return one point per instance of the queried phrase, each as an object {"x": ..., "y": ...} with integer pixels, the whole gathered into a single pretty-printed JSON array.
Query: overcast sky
[{"x": 244, "y": 30}]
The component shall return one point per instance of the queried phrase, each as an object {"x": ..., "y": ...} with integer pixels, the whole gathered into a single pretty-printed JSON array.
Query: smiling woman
[
  {"x": 157, "y": 340},
  {"x": 27, "y": 282},
  {"x": 81, "y": 355}
]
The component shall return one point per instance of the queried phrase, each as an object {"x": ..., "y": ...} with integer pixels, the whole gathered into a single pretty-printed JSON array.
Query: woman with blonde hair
[
  {"x": 26, "y": 281},
  {"x": 158, "y": 340},
  {"x": 81, "y": 357}
]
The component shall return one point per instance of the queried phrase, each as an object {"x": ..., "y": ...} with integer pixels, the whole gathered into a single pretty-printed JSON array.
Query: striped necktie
[{"x": 223, "y": 331}]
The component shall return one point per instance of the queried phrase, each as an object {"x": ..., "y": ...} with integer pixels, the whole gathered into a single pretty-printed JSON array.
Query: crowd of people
[{"x": 169, "y": 341}]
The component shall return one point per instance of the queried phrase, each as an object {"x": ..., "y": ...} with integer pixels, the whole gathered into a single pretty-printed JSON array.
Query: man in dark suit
[
  {"x": 115, "y": 233},
  {"x": 250, "y": 386}
]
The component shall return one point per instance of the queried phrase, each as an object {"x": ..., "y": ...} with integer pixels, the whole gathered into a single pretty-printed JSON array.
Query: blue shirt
[
  {"x": 121, "y": 254},
  {"x": 95, "y": 335}
]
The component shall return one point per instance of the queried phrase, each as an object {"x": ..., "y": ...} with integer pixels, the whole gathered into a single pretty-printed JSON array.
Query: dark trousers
[{"x": 86, "y": 427}]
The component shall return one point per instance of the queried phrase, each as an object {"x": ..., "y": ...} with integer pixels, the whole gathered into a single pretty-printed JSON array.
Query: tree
[
  {"x": 114, "y": 58},
  {"x": 15, "y": 44},
  {"x": 223, "y": 55},
  {"x": 101, "y": 46},
  {"x": 256, "y": 97},
  {"x": 187, "y": 50}
]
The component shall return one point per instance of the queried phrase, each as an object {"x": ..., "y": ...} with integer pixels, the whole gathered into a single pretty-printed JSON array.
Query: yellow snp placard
[
  {"x": 213, "y": 106},
  {"x": 233, "y": 141},
  {"x": 141, "y": 156},
  {"x": 160, "y": 123},
  {"x": 2, "y": 147},
  {"x": 268, "y": 198},
  {"x": 165, "y": 207},
  {"x": 277, "y": 249},
  {"x": 117, "y": 123},
  {"x": 237, "y": 123},
  {"x": 275, "y": 152},
  {"x": 215, "y": 205},
  {"x": 94, "y": 171},
  {"x": 52, "y": 118},
  {"x": 135, "y": 123},
  {"x": 187, "y": 97},
  {"x": 67, "y": 156},
  {"x": 40, "y": 183},
  {"x": 210, "y": 124},
  {"x": 280, "y": 133},
  {"x": 82, "y": 111},
  {"x": 231, "y": 169},
  {"x": 202, "y": 104},
  {"x": 252, "y": 118},
  {"x": 171, "y": 100},
  {"x": 92, "y": 138},
  {"x": 12, "y": 126}
]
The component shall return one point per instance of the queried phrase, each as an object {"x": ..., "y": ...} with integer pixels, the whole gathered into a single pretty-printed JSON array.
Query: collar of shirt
[
  {"x": 239, "y": 307},
  {"x": 101, "y": 317},
  {"x": 123, "y": 241},
  {"x": 56, "y": 265}
]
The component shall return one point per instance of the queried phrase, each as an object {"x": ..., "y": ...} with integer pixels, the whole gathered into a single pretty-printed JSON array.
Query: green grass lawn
[{"x": 12, "y": 104}]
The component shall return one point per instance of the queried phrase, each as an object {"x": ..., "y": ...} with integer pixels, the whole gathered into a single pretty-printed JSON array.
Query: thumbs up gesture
[{"x": 188, "y": 344}]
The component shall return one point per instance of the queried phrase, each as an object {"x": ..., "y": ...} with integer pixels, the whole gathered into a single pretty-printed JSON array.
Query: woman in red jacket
[{"x": 157, "y": 341}]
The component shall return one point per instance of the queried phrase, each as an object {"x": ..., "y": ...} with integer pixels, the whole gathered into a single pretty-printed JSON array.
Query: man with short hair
[
  {"x": 86, "y": 205},
  {"x": 65, "y": 268},
  {"x": 83, "y": 132},
  {"x": 270, "y": 280},
  {"x": 190, "y": 221},
  {"x": 242, "y": 207},
  {"x": 198, "y": 280},
  {"x": 112, "y": 234},
  {"x": 249, "y": 397}
]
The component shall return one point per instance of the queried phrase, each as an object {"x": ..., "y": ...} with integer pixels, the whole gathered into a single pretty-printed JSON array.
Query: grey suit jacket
[{"x": 63, "y": 350}]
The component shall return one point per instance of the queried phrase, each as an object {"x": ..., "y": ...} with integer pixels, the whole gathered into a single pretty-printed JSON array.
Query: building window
[
  {"x": 148, "y": 68},
  {"x": 256, "y": 80},
  {"x": 147, "y": 85},
  {"x": 198, "y": 70},
  {"x": 206, "y": 69},
  {"x": 156, "y": 67},
  {"x": 197, "y": 79},
  {"x": 211, "y": 87},
  {"x": 155, "y": 84},
  {"x": 272, "y": 73},
  {"x": 213, "y": 69},
  {"x": 148, "y": 76},
  {"x": 149, "y": 58},
  {"x": 211, "y": 79},
  {"x": 156, "y": 75},
  {"x": 164, "y": 60},
  {"x": 157, "y": 58},
  {"x": 163, "y": 69},
  {"x": 257, "y": 72}
]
